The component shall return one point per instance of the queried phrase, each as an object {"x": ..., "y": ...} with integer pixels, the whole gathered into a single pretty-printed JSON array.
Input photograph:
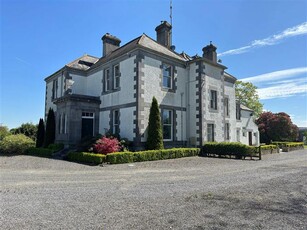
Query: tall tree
[
  {"x": 247, "y": 94},
  {"x": 27, "y": 129},
  {"x": 276, "y": 127},
  {"x": 40, "y": 134},
  {"x": 155, "y": 136},
  {"x": 50, "y": 129}
]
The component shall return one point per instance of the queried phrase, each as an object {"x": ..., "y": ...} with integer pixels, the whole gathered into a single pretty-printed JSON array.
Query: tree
[
  {"x": 50, "y": 129},
  {"x": 155, "y": 136},
  {"x": 247, "y": 95},
  {"x": 4, "y": 131},
  {"x": 40, "y": 134},
  {"x": 276, "y": 127},
  {"x": 27, "y": 129}
]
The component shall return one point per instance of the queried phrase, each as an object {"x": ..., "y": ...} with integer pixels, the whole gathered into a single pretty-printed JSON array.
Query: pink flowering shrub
[{"x": 106, "y": 145}]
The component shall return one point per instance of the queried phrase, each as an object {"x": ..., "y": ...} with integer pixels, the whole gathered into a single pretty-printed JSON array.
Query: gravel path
[{"x": 187, "y": 193}]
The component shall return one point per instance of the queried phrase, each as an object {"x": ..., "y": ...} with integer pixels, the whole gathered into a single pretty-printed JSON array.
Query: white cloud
[
  {"x": 277, "y": 75},
  {"x": 297, "y": 86},
  {"x": 300, "y": 29}
]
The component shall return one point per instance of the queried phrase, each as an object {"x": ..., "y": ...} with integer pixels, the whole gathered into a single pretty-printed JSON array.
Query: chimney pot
[
  {"x": 164, "y": 33},
  {"x": 110, "y": 43},
  {"x": 209, "y": 52}
]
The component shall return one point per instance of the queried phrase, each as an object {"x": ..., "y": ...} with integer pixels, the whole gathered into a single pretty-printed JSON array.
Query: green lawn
[{"x": 305, "y": 146}]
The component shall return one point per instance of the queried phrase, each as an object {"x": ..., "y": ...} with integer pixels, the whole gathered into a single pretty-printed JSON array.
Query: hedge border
[
  {"x": 230, "y": 149},
  {"x": 151, "y": 155},
  {"x": 85, "y": 157},
  {"x": 40, "y": 152}
]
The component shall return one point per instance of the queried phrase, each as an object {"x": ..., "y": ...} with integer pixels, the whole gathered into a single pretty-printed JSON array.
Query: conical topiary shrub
[
  {"x": 155, "y": 136},
  {"x": 50, "y": 129},
  {"x": 40, "y": 136}
]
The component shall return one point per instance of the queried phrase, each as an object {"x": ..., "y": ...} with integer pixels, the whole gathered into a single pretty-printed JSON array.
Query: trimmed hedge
[
  {"x": 269, "y": 149},
  {"x": 41, "y": 152},
  {"x": 292, "y": 146},
  {"x": 56, "y": 147},
  {"x": 151, "y": 155},
  {"x": 84, "y": 157},
  {"x": 229, "y": 148}
]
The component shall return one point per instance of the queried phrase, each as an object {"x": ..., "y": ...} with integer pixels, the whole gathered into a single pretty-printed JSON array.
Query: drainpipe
[
  {"x": 224, "y": 112},
  {"x": 181, "y": 104},
  {"x": 187, "y": 85}
]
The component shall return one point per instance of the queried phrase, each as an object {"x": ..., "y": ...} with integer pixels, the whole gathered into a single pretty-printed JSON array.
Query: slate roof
[
  {"x": 83, "y": 63},
  {"x": 243, "y": 107},
  {"x": 141, "y": 41},
  {"x": 230, "y": 77}
]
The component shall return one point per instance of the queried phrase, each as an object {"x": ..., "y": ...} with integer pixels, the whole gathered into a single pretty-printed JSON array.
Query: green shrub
[
  {"x": 56, "y": 147},
  {"x": 155, "y": 135},
  {"x": 85, "y": 157},
  {"x": 229, "y": 148},
  {"x": 40, "y": 135},
  {"x": 50, "y": 128},
  {"x": 294, "y": 144},
  {"x": 268, "y": 147},
  {"x": 41, "y": 152},
  {"x": 16, "y": 144},
  {"x": 151, "y": 155}
]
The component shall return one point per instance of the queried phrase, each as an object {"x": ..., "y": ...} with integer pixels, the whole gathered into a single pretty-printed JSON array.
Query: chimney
[
  {"x": 164, "y": 34},
  {"x": 209, "y": 52},
  {"x": 110, "y": 43}
]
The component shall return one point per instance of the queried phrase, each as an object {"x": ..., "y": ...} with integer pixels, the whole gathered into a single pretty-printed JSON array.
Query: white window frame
[
  {"x": 170, "y": 114},
  {"x": 169, "y": 76},
  {"x": 213, "y": 99},
  {"x": 115, "y": 121},
  {"x": 107, "y": 80},
  {"x": 227, "y": 131},
  {"x": 226, "y": 105},
  {"x": 116, "y": 76},
  {"x": 210, "y": 132}
]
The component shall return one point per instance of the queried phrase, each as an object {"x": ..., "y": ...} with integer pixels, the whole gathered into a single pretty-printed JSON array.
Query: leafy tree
[
  {"x": 276, "y": 127},
  {"x": 247, "y": 94},
  {"x": 4, "y": 131},
  {"x": 50, "y": 129},
  {"x": 155, "y": 136},
  {"x": 27, "y": 129},
  {"x": 40, "y": 134}
]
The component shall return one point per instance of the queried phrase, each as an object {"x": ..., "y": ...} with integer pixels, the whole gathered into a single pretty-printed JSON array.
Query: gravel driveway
[{"x": 187, "y": 193}]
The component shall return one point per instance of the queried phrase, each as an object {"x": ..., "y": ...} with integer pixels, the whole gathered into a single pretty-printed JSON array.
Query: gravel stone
[{"x": 189, "y": 193}]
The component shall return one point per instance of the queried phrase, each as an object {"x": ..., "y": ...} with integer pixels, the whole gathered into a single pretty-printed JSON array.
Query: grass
[{"x": 305, "y": 146}]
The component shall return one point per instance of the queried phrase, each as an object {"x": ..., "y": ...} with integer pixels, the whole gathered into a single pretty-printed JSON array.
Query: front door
[
  {"x": 87, "y": 127},
  {"x": 250, "y": 138}
]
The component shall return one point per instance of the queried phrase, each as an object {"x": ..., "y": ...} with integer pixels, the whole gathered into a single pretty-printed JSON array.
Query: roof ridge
[{"x": 164, "y": 47}]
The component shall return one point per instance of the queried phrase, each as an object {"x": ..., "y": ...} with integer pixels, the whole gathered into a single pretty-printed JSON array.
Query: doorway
[
  {"x": 87, "y": 129},
  {"x": 250, "y": 138}
]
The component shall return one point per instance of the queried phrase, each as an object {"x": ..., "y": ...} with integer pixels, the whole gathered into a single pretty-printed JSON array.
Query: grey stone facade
[{"x": 83, "y": 93}]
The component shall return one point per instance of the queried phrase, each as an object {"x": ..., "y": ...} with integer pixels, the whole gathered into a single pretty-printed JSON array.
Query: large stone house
[{"x": 113, "y": 93}]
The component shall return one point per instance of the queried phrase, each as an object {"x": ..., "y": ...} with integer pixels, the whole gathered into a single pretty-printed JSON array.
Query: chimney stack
[
  {"x": 209, "y": 52},
  {"x": 110, "y": 43},
  {"x": 164, "y": 33}
]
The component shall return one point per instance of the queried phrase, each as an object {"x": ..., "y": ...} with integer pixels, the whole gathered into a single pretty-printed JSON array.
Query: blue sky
[{"x": 263, "y": 41}]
